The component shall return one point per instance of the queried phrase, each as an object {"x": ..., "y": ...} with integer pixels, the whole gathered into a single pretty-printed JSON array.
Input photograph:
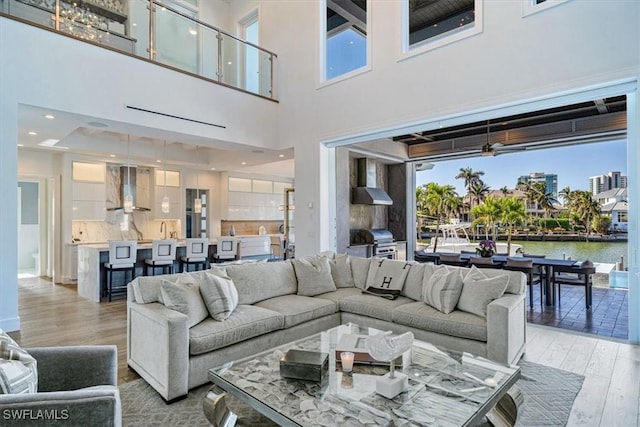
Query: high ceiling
[{"x": 121, "y": 143}]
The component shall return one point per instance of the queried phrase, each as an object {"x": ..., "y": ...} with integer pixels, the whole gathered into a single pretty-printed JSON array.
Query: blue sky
[{"x": 573, "y": 165}]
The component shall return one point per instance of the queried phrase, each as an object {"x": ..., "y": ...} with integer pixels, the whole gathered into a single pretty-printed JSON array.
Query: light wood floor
[{"x": 55, "y": 315}]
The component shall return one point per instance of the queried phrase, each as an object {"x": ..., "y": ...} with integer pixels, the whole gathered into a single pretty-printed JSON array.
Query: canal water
[{"x": 606, "y": 252}]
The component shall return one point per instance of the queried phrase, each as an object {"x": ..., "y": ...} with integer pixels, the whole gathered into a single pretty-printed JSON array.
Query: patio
[{"x": 608, "y": 316}]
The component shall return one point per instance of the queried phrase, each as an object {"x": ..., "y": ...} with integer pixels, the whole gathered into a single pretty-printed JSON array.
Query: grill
[{"x": 384, "y": 246}]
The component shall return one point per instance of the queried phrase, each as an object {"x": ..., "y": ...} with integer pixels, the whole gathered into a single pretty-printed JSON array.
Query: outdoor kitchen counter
[
  {"x": 92, "y": 256},
  {"x": 360, "y": 250}
]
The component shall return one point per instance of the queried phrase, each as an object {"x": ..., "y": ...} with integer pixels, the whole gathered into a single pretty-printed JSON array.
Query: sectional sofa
[{"x": 181, "y": 325}]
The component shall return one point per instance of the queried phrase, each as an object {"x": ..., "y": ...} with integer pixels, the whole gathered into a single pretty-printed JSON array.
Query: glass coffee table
[{"x": 446, "y": 388}]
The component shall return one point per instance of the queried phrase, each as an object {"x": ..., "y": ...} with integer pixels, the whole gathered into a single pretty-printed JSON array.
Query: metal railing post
[
  {"x": 219, "y": 37},
  {"x": 271, "y": 91},
  {"x": 152, "y": 52}
]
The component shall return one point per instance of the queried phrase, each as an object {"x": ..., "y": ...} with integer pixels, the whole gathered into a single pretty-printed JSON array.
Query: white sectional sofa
[{"x": 277, "y": 302}]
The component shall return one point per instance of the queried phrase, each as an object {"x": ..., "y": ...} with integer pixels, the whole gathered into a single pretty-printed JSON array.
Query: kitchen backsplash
[
  {"x": 120, "y": 226},
  {"x": 244, "y": 228}
]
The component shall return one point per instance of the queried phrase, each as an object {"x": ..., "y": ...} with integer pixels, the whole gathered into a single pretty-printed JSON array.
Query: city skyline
[{"x": 574, "y": 165}]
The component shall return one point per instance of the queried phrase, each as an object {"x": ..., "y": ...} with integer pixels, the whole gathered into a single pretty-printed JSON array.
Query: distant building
[
  {"x": 614, "y": 204},
  {"x": 610, "y": 181},
  {"x": 550, "y": 181}
]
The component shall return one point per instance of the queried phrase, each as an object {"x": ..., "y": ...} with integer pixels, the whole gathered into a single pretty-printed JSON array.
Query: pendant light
[
  {"x": 128, "y": 198},
  {"x": 197, "y": 202},
  {"x": 165, "y": 200}
]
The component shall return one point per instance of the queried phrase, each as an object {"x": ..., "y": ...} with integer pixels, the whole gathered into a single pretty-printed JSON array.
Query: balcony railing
[{"x": 152, "y": 30}]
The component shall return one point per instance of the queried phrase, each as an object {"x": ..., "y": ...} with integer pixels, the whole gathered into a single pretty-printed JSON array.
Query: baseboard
[{"x": 10, "y": 324}]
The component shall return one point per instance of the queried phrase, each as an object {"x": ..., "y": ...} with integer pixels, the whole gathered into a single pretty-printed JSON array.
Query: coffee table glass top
[{"x": 446, "y": 388}]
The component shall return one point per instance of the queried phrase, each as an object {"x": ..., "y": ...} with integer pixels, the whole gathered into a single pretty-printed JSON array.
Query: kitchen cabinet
[
  {"x": 254, "y": 199},
  {"x": 88, "y": 191},
  {"x": 167, "y": 183},
  {"x": 254, "y": 245}
]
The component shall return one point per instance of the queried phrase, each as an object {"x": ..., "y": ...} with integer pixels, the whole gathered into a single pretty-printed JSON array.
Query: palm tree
[
  {"x": 512, "y": 211},
  {"x": 505, "y": 191},
  {"x": 584, "y": 209},
  {"x": 488, "y": 213},
  {"x": 470, "y": 178},
  {"x": 440, "y": 201},
  {"x": 566, "y": 195},
  {"x": 479, "y": 190}
]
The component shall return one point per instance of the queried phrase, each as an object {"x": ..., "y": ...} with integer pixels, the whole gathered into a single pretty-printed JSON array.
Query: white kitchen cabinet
[
  {"x": 254, "y": 245},
  {"x": 89, "y": 201}
]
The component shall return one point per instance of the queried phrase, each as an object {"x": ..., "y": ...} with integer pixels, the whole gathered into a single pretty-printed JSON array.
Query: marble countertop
[{"x": 145, "y": 245}]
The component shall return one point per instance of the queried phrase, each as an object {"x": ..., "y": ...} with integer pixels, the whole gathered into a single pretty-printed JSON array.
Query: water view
[{"x": 603, "y": 252}]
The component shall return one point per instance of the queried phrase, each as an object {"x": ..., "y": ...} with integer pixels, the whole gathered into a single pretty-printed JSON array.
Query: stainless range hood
[
  {"x": 129, "y": 184},
  {"x": 366, "y": 193}
]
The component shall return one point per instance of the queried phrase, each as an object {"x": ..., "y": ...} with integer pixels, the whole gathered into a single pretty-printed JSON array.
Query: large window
[
  {"x": 345, "y": 39},
  {"x": 250, "y": 33},
  {"x": 432, "y": 23}
]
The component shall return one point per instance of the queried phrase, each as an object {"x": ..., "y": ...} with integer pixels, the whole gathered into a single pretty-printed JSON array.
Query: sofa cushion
[
  {"x": 18, "y": 369},
  {"x": 457, "y": 323},
  {"x": 372, "y": 306},
  {"x": 337, "y": 295},
  {"x": 260, "y": 281},
  {"x": 413, "y": 283},
  {"x": 184, "y": 296},
  {"x": 219, "y": 295},
  {"x": 479, "y": 290},
  {"x": 360, "y": 270},
  {"x": 441, "y": 289},
  {"x": 298, "y": 309},
  {"x": 247, "y": 321},
  {"x": 386, "y": 277},
  {"x": 314, "y": 275},
  {"x": 341, "y": 271}
]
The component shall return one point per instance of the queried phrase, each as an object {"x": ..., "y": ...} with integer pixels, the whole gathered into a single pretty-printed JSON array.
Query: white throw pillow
[
  {"x": 386, "y": 277},
  {"x": 219, "y": 295},
  {"x": 314, "y": 276},
  {"x": 479, "y": 290},
  {"x": 184, "y": 296},
  {"x": 441, "y": 289},
  {"x": 18, "y": 369},
  {"x": 341, "y": 271}
]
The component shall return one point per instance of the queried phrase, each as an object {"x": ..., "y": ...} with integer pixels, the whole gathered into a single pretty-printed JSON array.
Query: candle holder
[
  {"x": 346, "y": 360},
  {"x": 387, "y": 348}
]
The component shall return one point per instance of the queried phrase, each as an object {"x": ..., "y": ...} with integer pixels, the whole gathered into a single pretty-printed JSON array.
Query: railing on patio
[{"x": 162, "y": 34}]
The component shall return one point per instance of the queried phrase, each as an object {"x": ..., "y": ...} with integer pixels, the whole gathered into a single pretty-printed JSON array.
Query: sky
[{"x": 573, "y": 165}]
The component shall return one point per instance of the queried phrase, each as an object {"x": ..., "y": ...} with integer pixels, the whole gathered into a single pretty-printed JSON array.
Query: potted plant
[{"x": 486, "y": 248}]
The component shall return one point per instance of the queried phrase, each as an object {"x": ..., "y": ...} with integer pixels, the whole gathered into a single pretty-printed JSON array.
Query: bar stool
[
  {"x": 197, "y": 254},
  {"x": 277, "y": 248},
  {"x": 163, "y": 253},
  {"x": 122, "y": 257},
  {"x": 227, "y": 249}
]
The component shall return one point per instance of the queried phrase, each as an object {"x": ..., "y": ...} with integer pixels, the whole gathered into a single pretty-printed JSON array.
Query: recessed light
[
  {"x": 49, "y": 116},
  {"x": 213, "y": 169},
  {"x": 243, "y": 163},
  {"x": 112, "y": 155},
  {"x": 49, "y": 142},
  {"x": 33, "y": 133},
  {"x": 20, "y": 145},
  {"x": 158, "y": 161},
  {"x": 192, "y": 32},
  {"x": 281, "y": 156},
  {"x": 229, "y": 63}
]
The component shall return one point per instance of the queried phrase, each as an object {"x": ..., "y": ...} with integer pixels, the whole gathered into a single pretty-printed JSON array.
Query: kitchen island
[{"x": 92, "y": 256}]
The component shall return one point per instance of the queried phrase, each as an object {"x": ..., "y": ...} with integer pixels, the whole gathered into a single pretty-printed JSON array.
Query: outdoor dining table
[{"x": 549, "y": 267}]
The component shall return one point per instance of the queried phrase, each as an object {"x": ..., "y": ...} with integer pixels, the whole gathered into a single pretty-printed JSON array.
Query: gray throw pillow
[
  {"x": 314, "y": 276},
  {"x": 18, "y": 369},
  {"x": 341, "y": 271},
  {"x": 219, "y": 295},
  {"x": 184, "y": 297},
  {"x": 441, "y": 289},
  {"x": 360, "y": 270},
  {"x": 478, "y": 291}
]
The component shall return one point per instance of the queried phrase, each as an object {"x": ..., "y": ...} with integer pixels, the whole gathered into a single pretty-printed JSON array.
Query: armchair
[{"x": 77, "y": 386}]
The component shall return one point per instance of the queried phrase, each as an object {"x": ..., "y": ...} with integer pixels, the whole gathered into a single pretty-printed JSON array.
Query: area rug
[{"x": 548, "y": 393}]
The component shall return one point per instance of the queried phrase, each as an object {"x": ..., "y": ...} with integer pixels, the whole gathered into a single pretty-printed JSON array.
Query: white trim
[
  {"x": 633, "y": 227},
  {"x": 558, "y": 99},
  {"x": 529, "y": 7},
  {"x": 453, "y": 36}
]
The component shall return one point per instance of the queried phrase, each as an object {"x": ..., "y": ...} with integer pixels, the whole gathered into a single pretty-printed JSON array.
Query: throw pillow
[
  {"x": 18, "y": 369},
  {"x": 219, "y": 295},
  {"x": 314, "y": 276},
  {"x": 478, "y": 291},
  {"x": 360, "y": 271},
  {"x": 441, "y": 290},
  {"x": 386, "y": 277},
  {"x": 184, "y": 296},
  {"x": 341, "y": 271}
]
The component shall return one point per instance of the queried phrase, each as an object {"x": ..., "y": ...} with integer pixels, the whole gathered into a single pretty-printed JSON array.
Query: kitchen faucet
[{"x": 163, "y": 226}]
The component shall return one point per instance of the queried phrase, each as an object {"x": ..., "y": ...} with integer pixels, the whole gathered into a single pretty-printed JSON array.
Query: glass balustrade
[{"x": 149, "y": 29}]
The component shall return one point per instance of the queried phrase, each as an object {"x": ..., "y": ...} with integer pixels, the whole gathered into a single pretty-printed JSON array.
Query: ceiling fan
[{"x": 489, "y": 149}]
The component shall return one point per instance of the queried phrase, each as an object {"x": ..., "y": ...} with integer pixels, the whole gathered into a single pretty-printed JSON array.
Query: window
[
  {"x": 432, "y": 23},
  {"x": 250, "y": 27},
  {"x": 534, "y": 6},
  {"x": 345, "y": 37}
]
